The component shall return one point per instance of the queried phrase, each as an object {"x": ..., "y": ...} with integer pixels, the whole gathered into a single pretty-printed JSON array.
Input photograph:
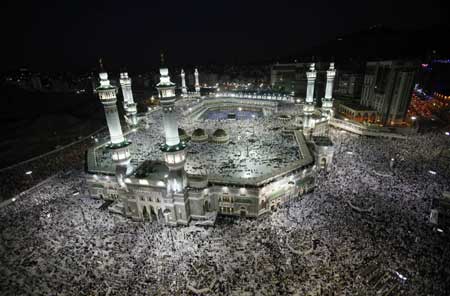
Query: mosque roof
[
  {"x": 322, "y": 141},
  {"x": 152, "y": 170}
]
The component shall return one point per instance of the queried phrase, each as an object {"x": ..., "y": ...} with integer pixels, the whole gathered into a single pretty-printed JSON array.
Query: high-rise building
[
  {"x": 387, "y": 89},
  {"x": 348, "y": 84},
  {"x": 291, "y": 78},
  {"x": 36, "y": 82}
]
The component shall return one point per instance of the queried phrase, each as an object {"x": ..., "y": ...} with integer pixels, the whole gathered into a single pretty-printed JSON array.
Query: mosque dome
[
  {"x": 199, "y": 135},
  {"x": 220, "y": 133},
  {"x": 220, "y": 136}
]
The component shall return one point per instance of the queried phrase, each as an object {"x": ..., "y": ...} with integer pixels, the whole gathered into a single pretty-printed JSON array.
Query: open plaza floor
[{"x": 363, "y": 231}]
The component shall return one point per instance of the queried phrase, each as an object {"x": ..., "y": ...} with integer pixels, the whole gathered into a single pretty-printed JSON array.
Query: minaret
[
  {"x": 118, "y": 145},
  {"x": 311, "y": 77},
  {"x": 174, "y": 153},
  {"x": 183, "y": 83},
  {"x": 197, "y": 84},
  {"x": 327, "y": 101},
  {"x": 308, "y": 108},
  {"x": 128, "y": 102}
]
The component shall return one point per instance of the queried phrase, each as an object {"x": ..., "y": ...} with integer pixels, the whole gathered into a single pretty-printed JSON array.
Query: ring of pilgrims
[{"x": 196, "y": 157}]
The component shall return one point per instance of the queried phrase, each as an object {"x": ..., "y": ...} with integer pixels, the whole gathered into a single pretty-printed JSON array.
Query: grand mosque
[{"x": 195, "y": 157}]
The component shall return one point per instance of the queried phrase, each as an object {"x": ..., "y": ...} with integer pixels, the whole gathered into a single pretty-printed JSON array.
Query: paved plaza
[{"x": 364, "y": 230}]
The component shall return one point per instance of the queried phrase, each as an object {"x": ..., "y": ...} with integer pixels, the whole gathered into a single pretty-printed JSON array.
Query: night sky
[{"x": 72, "y": 34}]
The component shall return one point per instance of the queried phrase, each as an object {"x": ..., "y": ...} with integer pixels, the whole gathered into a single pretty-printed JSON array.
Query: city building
[
  {"x": 388, "y": 89},
  {"x": 433, "y": 77},
  {"x": 36, "y": 82},
  {"x": 291, "y": 78},
  {"x": 348, "y": 84}
]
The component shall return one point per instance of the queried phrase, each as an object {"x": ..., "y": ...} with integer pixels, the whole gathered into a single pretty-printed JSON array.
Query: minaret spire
[
  {"x": 183, "y": 83},
  {"x": 128, "y": 101},
  {"x": 197, "y": 84},
  {"x": 327, "y": 101},
  {"x": 308, "y": 107},
  {"x": 174, "y": 152},
  {"x": 118, "y": 145},
  {"x": 100, "y": 61},
  {"x": 311, "y": 78},
  {"x": 166, "y": 90}
]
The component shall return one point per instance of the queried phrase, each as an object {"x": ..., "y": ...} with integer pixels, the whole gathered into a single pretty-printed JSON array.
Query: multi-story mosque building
[{"x": 235, "y": 154}]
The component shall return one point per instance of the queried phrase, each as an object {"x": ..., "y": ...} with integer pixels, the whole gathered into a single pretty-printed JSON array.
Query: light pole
[
  {"x": 30, "y": 173},
  {"x": 414, "y": 118},
  {"x": 166, "y": 214},
  {"x": 253, "y": 116}
]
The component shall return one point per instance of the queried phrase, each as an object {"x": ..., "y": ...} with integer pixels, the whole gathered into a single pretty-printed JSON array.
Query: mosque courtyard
[{"x": 256, "y": 145}]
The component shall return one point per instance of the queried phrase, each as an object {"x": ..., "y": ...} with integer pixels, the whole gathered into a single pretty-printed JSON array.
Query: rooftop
[{"x": 322, "y": 141}]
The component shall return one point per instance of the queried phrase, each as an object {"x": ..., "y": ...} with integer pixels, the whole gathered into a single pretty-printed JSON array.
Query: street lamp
[
  {"x": 29, "y": 173},
  {"x": 166, "y": 214}
]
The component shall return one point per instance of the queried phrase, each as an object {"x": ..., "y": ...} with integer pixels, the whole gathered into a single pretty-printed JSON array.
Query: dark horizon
[{"x": 55, "y": 36}]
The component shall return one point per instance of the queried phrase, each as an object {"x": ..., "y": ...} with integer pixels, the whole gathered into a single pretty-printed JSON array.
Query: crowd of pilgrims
[
  {"x": 365, "y": 211},
  {"x": 15, "y": 180},
  {"x": 256, "y": 147}
]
